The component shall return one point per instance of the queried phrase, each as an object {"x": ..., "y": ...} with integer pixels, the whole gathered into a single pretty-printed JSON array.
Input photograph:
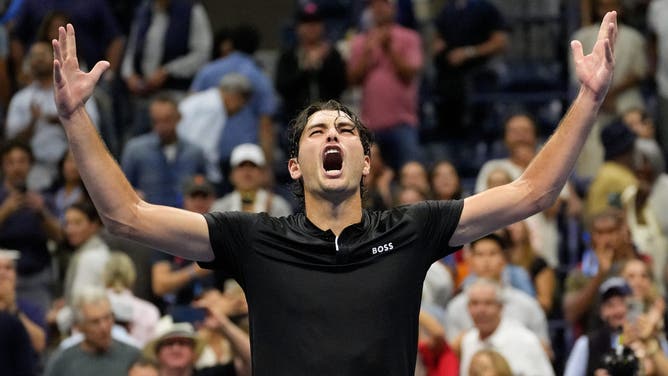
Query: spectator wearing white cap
[
  {"x": 204, "y": 115},
  {"x": 247, "y": 162}
]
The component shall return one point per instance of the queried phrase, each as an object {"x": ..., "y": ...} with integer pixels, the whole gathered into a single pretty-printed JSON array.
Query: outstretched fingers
[
  {"x": 62, "y": 42},
  {"x": 57, "y": 56},
  {"x": 612, "y": 32},
  {"x": 604, "y": 31},
  {"x": 57, "y": 63},
  {"x": 578, "y": 53},
  {"x": 607, "y": 33},
  {"x": 71, "y": 41},
  {"x": 99, "y": 69}
]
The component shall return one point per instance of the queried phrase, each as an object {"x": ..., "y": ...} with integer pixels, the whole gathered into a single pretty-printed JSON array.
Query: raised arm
[
  {"x": 175, "y": 231},
  {"x": 541, "y": 182}
]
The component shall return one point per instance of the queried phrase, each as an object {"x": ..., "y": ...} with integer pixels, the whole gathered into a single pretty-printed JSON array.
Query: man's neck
[
  {"x": 485, "y": 335},
  {"x": 333, "y": 215}
]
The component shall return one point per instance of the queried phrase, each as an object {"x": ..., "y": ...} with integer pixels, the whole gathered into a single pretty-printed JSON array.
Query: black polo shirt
[{"x": 322, "y": 305}]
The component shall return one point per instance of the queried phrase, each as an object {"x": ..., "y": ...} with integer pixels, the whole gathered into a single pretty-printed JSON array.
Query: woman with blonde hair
[
  {"x": 489, "y": 363},
  {"x": 119, "y": 277}
]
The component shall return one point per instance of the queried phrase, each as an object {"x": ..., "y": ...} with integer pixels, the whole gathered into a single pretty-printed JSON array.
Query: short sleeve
[
  {"x": 437, "y": 221},
  {"x": 230, "y": 236}
]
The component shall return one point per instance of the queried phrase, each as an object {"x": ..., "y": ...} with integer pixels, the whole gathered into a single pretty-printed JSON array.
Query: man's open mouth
[{"x": 332, "y": 159}]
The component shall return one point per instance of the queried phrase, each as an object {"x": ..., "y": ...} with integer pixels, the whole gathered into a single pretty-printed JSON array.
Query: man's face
[
  {"x": 613, "y": 311},
  {"x": 331, "y": 158},
  {"x": 176, "y": 353},
  {"x": 234, "y": 102},
  {"x": 310, "y": 32},
  {"x": 520, "y": 131},
  {"x": 487, "y": 259},
  {"x": 96, "y": 325},
  {"x": 164, "y": 118},
  {"x": 16, "y": 166},
  {"x": 607, "y": 233},
  {"x": 247, "y": 176},
  {"x": 41, "y": 59},
  {"x": 484, "y": 308},
  {"x": 78, "y": 227},
  {"x": 382, "y": 11}
]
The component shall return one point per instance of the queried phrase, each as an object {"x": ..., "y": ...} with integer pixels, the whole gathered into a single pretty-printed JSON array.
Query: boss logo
[{"x": 382, "y": 248}]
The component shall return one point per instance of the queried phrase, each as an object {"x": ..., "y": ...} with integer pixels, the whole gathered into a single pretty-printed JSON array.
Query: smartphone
[{"x": 185, "y": 313}]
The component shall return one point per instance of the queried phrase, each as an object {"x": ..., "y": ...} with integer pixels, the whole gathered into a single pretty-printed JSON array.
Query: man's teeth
[{"x": 331, "y": 151}]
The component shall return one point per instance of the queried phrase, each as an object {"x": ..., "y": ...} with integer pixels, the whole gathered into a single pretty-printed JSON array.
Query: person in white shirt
[
  {"x": 488, "y": 261},
  {"x": 518, "y": 345},
  {"x": 247, "y": 162},
  {"x": 205, "y": 113},
  {"x": 32, "y": 117}
]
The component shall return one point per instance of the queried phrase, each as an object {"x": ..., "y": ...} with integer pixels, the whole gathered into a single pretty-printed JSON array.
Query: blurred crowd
[{"x": 459, "y": 94}]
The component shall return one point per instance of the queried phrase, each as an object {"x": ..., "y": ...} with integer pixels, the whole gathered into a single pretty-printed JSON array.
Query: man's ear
[
  {"x": 293, "y": 167},
  {"x": 367, "y": 165}
]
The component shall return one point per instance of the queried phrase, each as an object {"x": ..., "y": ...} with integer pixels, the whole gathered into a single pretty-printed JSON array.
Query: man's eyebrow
[
  {"x": 316, "y": 125},
  {"x": 345, "y": 122}
]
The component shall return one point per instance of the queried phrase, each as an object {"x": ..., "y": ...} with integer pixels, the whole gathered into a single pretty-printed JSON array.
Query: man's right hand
[{"x": 72, "y": 87}]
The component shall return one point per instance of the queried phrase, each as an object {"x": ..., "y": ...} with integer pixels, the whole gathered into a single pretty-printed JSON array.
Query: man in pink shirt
[{"x": 386, "y": 61}]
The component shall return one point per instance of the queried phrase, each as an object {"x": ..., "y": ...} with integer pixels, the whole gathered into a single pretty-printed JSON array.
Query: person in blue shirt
[
  {"x": 158, "y": 164},
  {"x": 253, "y": 123}
]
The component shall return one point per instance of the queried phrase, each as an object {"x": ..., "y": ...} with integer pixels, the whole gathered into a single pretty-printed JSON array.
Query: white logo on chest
[{"x": 382, "y": 248}]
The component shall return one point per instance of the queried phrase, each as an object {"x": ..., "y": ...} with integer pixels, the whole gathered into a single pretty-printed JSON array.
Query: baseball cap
[
  {"x": 309, "y": 12},
  {"x": 198, "y": 184},
  {"x": 247, "y": 153},
  {"x": 615, "y": 286},
  {"x": 9, "y": 254}
]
